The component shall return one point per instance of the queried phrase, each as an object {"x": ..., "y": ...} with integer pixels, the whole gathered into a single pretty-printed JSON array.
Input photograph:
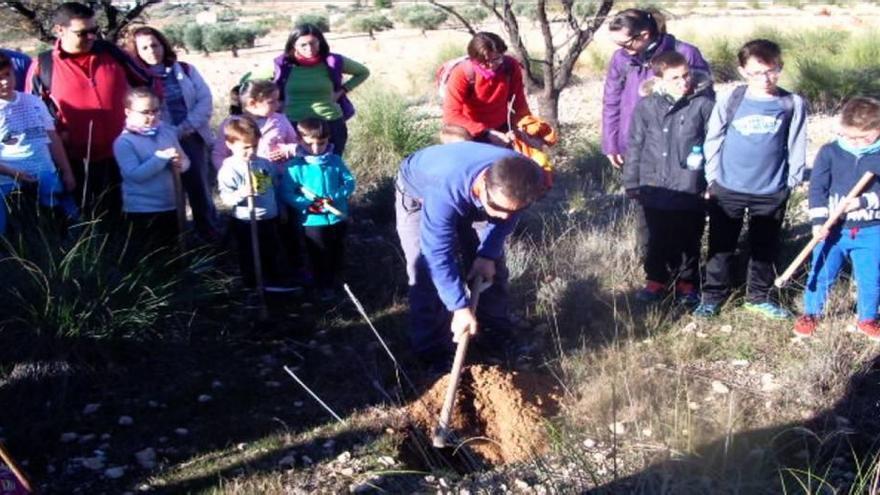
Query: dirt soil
[{"x": 499, "y": 414}]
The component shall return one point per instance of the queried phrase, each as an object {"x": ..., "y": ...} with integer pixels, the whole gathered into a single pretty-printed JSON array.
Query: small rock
[
  {"x": 589, "y": 443},
  {"x": 346, "y": 471},
  {"x": 690, "y": 327},
  {"x": 241, "y": 446},
  {"x": 701, "y": 335},
  {"x": 740, "y": 363},
  {"x": 287, "y": 461},
  {"x": 521, "y": 485},
  {"x": 146, "y": 458},
  {"x": 91, "y": 409},
  {"x": 444, "y": 483},
  {"x": 181, "y": 432},
  {"x": 144, "y": 487},
  {"x": 68, "y": 437},
  {"x": 720, "y": 388},
  {"x": 205, "y": 398},
  {"x": 430, "y": 479},
  {"x": 768, "y": 384},
  {"x": 617, "y": 428},
  {"x": 125, "y": 421},
  {"x": 94, "y": 463},
  {"x": 693, "y": 406},
  {"x": 647, "y": 432},
  {"x": 216, "y": 384},
  {"x": 114, "y": 472},
  {"x": 726, "y": 328},
  {"x": 344, "y": 457}
]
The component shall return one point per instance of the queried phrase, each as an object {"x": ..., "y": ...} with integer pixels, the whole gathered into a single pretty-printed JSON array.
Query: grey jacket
[{"x": 662, "y": 134}]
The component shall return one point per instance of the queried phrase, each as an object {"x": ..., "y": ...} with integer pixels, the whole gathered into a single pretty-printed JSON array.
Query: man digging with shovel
[{"x": 459, "y": 200}]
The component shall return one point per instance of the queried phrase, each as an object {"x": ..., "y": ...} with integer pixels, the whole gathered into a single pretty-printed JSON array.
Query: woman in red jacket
[{"x": 480, "y": 90}]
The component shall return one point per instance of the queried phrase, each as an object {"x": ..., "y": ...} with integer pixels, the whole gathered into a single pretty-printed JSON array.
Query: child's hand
[
  {"x": 176, "y": 164},
  {"x": 820, "y": 232},
  {"x": 853, "y": 204},
  {"x": 277, "y": 154},
  {"x": 616, "y": 160},
  {"x": 68, "y": 180},
  {"x": 167, "y": 153}
]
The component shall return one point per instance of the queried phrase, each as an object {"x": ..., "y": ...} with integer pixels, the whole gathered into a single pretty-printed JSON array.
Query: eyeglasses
[
  {"x": 148, "y": 111},
  {"x": 495, "y": 206},
  {"x": 84, "y": 33},
  {"x": 767, "y": 74},
  {"x": 629, "y": 43}
]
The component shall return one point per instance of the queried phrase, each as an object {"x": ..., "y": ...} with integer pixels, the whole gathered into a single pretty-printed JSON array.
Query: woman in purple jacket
[{"x": 641, "y": 35}]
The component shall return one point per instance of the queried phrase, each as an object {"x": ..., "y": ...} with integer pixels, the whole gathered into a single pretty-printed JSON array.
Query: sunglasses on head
[{"x": 495, "y": 206}]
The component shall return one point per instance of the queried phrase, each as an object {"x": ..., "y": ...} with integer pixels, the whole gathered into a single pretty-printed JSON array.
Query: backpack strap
[
  {"x": 42, "y": 82},
  {"x": 733, "y": 103},
  {"x": 334, "y": 67},
  {"x": 187, "y": 69}
]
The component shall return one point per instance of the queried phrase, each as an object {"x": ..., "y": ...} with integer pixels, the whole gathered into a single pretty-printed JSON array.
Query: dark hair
[
  {"x": 68, "y": 11},
  {"x": 766, "y": 51},
  {"x": 862, "y": 113},
  {"x": 255, "y": 90},
  {"x": 313, "y": 128},
  {"x": 129, "y": 44},
  {"x": 301, "y": 30},
  {"x": 5, "y": 62},
  {"x": 235, "y": 100},
  {"x": 667, "y": 60},
  {"x": 484, "y": 43},
  {"x": 634, "y": 21},
  {"x": 139, "y": 92},
  {"x": 518, "y": 178},
  {"x": 241, "y": 129}
]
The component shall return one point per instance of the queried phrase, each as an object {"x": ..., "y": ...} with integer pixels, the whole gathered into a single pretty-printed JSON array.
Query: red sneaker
[
  {"x": 806, "y": 325},
  {"x": 870, "y": 328}
]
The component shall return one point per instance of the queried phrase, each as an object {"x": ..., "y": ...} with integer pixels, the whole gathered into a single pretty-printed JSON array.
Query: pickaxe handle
[
  {"x": 441, "y": 433},
  {"x": 833, "y": 217},
  {"x": 312, "y": 196}
]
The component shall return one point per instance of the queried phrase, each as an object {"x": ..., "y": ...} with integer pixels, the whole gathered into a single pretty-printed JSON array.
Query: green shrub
[
  {"x": 194, "y": 38},
  {"x": 175, "y": 35},
  {"x": 275, "y": 22},
  {"x": 228, "y": 15},
  {"x": 721, "y": 55},
  {"x": 371, "y": 24},
  {"x": 382, "y": 4},
  {"x": 527, "y": 10},
  {"x": 320, "y": 20},
  {"x": 421, "y": 16},
  {"x": 233, "y": 38},
  {"x": 474, "y": 14},
  {"x": 585, "y": 8}
]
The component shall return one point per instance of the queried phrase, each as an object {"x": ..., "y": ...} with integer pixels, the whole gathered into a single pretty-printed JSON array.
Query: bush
[
  {"x": 721, "y": 55},
  {"x": 585, "y": 8},
  {"x": 382, "y": 4},
  {"x": 474, "y": 14},
  {"x": 371, "y": 24},
  {"x": 828, "y": 79},
  {"x": 527, "y": 10},
  {"x": 194, "y": 38},
  {"x": 232, "y": 38},
  {"x": 175, "y": 35},
  {"x": 421, "y": 16},
  {"x": 320, "y": 20},
  {"x": 274, "y": 22}
]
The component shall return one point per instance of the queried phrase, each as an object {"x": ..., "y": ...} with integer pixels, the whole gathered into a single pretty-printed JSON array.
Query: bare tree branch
[
  {"x": 455, "y": 14},
  {"x": 585, "y": 36},
  {"x": 549, "y": 48},
  {"x": 31, "y": 17}
]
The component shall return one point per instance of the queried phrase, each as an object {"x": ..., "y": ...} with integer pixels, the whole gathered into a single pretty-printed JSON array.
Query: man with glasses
[
  {"x": 459, "y": 200},
  {"x": 84, "y": 80}
]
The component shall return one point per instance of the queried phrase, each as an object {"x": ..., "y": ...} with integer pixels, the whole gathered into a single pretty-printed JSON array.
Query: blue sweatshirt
[
  {"x": 147, "y": 180},
  {"x": 324, "y": 175},
  {"x": 835, "y": 173},
  {"x": 442, "y": 178}
]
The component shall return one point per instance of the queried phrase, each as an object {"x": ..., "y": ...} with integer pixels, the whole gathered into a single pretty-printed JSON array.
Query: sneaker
[
  {"x": 806, "y": 325},
  {"x": 769, "y": 310},
  {"x": 870, "y": 328},
  {"x": 686, "y": 294},
  {"x": 706, "y": 310},
  {"x": 652, "y": 292}
]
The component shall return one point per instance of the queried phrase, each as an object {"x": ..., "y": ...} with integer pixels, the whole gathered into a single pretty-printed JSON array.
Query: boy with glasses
[{"x": 755, "y": 154}]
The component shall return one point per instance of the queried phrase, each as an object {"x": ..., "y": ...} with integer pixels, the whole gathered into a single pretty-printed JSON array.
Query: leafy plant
[
  {"x": 194, "y": 38},
  {"x": 319, "y": 20},
  {"x": 382, "y": 4},
  {"x": 474, "y": 14},
  {"x": 421, "y": 16},
  {"x": 371, "y": 24}
]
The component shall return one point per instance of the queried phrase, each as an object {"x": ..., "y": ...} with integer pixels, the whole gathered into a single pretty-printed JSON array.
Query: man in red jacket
[{"x": 83, "y": 80}]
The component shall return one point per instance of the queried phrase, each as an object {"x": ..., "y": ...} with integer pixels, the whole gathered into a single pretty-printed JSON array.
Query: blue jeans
[
  {"x": 862, "y": 247},
  {"x": 50, "y": 194},
  {"x": 429, "y": 320}
]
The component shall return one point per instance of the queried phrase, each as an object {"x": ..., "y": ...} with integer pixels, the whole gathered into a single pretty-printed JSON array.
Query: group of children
[
  {"x": 297, "y": 179},
  {"x": 740, "y": 157}
]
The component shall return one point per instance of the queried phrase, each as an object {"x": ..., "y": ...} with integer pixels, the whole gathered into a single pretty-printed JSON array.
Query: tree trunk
[
  {"x": 548, "y": 100},
  {"x": 235, "y": 51}
]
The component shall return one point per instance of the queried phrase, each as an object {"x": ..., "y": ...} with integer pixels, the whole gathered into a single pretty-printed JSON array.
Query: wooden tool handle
[
  {"x": 839, "y": 211},
  {"x": 180, "y": 203},
  {"x": 16, "y": 471}
]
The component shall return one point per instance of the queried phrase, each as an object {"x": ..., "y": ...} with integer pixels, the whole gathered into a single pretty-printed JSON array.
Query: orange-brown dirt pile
[{"x": 499, "y": 414}]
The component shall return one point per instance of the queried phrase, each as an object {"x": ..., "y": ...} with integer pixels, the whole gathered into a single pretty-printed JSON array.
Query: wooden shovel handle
[{"x": 16, "y": 471}]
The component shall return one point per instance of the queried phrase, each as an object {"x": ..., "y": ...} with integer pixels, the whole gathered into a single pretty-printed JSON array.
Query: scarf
[
  {"x": 672, "y": 94},
  {"x": 307, "y": 61},
  {"x": 141, "y": 130},
  {"x": 314, "y": 159},
  {"x": 484, "y": 72},
  {"x": 859, "y": 151}
]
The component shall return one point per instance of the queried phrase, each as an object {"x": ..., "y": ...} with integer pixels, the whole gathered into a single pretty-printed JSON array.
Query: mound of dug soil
[{"x": 499, "y": 414}]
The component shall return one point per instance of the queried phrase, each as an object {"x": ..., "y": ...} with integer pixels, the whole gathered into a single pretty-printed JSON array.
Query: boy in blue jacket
[
  {"x": 318, "y": 184},
  {"x": 838, "y": 167}
]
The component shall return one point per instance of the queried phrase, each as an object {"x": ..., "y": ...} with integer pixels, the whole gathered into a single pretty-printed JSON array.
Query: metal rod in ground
[
  {"x": 363, "y": 312},
  {"x": 307, "y": 389},
  {"x": 16, "y": 471}
]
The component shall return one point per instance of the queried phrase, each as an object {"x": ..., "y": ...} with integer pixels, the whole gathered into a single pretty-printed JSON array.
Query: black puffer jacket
[{"x": 662, "y": 134}]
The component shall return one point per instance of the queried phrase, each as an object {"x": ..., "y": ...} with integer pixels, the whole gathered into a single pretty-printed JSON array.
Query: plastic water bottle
[{"x": 695, "y": 158}]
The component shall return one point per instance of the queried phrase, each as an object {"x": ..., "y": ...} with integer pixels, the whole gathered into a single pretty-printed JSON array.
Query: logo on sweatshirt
[
  {"x": 262, "y": 181},
  {"x": 758, "y": 124}
]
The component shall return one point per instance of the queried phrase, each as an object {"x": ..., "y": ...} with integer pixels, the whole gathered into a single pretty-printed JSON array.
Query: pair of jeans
[
  {"x": 673, "y": 244},
  {"x": 50, "y": 193},
  {"x": 429, "y": 320},
  {"x": 326, "y": 247},
  {"x": 727, "y": 211},
  {"x": 195, "y": 183},
  {"x": 862, "y": 247}
]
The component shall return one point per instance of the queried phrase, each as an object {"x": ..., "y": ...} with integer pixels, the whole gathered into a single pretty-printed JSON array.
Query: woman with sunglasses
[
  {"x": 641, "y": 35},
  {"x": 187, "y": 106},
  {"x": 485, "y": 92}
]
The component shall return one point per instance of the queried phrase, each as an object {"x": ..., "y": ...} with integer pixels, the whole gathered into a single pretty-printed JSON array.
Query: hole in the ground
[{"x": 499, "y": 416}]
